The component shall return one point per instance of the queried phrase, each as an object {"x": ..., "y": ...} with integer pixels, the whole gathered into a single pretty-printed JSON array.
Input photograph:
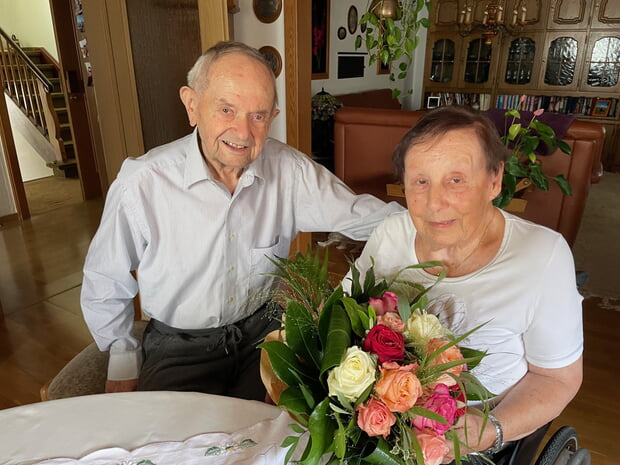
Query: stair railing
[{"x": 27, "y": 86}]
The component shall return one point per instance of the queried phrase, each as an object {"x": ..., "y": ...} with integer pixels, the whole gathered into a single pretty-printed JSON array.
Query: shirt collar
[{"x": 196, "y": 168}]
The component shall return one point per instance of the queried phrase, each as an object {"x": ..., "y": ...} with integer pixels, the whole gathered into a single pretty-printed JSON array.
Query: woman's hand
[{"x": 468, "y": 429}]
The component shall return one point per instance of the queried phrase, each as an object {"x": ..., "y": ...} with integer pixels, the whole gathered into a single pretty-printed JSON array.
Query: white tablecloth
[{"x": 79, "y": 426}]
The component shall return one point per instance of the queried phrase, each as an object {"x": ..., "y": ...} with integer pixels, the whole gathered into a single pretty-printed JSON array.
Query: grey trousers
[{"x": 223, "y": 361}]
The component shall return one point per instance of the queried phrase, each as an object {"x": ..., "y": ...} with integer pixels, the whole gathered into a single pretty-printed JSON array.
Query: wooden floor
[{"x": 41, "y": 326}]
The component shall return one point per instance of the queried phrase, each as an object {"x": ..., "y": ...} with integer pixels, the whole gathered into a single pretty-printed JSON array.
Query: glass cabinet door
[
  {"x": 520, "y": 65},
  {"x": 478, "y": 60},
  {"x": 563, "y": 60},
  {"x": 442, "y": 61},
  {"x": 441, "y": 69},
  {"x": 604, "y": 63}
]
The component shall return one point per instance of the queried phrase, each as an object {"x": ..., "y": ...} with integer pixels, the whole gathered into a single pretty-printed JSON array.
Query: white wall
[
  {"x": 31, "y": 22},
  {"x": 250, "y": 30}
]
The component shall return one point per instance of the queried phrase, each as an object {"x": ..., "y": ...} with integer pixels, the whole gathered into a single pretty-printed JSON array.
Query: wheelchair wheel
[{"x": 562, "y": 449}]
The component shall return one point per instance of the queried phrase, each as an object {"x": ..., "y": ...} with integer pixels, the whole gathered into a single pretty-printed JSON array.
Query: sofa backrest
[{"x": 364, "y": 140}]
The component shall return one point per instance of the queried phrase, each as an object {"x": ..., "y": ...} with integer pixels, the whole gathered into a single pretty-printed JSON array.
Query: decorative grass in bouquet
[{"x": 369, "y": 375}]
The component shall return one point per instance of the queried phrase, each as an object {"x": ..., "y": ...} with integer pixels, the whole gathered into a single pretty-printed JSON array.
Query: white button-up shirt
[{"x": 200, "y": 252}]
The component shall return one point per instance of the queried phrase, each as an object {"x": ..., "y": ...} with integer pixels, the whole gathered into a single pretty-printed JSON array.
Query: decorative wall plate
[
  {"x": 342, "y": 32},
  {"x": 267, "y": 11},
  {"x": 273, "y": 58},
  {"x": 352, "y": 19}
]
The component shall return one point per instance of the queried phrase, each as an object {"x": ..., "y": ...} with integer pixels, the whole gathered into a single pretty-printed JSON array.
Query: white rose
[
  {"x": 355, "y": 373},
  {"x": 422, "y": 327}
]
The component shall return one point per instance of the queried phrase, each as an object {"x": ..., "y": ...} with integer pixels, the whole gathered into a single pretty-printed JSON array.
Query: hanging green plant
[{"x": 392, "y": 39}]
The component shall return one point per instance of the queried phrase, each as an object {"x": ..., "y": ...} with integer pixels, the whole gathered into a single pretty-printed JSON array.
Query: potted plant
[
  {"x": 523, "y": 167},
  {"x": 391, "y": 34}
]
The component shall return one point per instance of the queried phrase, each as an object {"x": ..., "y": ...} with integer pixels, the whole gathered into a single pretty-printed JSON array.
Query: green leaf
[
  {"x": 321, "y": 428},
  {"x": 380, "y": 454},
  {"x": 284, "y": 363},
  {"x": 563, "y": 183},
  {"x": 302, "y": 334},
  {"x": 564, "y": 147},
  {"x": 538, "y": 177},
  {"x": 358, "y": 42},
  {"x": 338, "y": 339},
  {"x": 295, "y": 403},
  {"x": 513, "y": 131},
  {"x": 352, "y": 308}
]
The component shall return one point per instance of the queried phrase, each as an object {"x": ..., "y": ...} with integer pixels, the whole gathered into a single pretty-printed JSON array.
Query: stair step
[
  {"x": 33, "y": 54},
  {"x": 64, "y": 169},
  {"x": 48, "y": 70}
]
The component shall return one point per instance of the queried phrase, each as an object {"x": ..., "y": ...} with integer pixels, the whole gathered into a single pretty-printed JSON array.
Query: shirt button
[
  {"x": 231, "y": 237},
  {"x": 231, "y": 269},
  {"x": 230, "y": 299}
]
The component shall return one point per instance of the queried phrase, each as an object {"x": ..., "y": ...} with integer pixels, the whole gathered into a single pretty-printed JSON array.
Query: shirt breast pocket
[{"x": 261, "y": 265}]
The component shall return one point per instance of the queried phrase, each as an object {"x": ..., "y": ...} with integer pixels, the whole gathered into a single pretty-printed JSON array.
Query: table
[{"x": 76, "y": 426}]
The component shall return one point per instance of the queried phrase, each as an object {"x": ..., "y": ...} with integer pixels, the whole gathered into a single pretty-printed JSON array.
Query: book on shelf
[{"x": 579, "y": 106}]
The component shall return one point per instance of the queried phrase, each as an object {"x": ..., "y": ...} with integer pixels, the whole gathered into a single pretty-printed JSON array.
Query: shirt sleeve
[
  {"x": 108, "y": 287},
  {"x": 325, "y": 203},
  {"x": 554, "y": 337}
]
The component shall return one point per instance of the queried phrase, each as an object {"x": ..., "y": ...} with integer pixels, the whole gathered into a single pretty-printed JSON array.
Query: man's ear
[{"x": 190, "y": 101}]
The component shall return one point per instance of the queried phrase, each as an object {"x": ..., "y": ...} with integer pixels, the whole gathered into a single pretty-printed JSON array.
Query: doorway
[{"x": 18, "y": 134}]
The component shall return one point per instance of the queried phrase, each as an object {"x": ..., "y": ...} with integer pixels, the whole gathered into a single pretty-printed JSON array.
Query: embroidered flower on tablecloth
[{"x": 216, "y": 450}]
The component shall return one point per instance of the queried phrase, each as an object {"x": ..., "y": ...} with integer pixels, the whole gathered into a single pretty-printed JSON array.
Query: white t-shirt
[{"x": 526, "y": 295}]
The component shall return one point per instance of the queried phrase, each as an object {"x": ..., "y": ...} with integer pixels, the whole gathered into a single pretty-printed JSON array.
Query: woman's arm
[{"x": 538, "y": 398}]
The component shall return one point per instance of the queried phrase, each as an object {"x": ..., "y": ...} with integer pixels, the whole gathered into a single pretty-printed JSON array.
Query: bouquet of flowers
[{"x": 370, "y": 375}]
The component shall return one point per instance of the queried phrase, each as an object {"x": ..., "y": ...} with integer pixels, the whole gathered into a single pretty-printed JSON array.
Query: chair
[
  {"x": 85, "y": 373},
  {"x": 561, "y": 449}
]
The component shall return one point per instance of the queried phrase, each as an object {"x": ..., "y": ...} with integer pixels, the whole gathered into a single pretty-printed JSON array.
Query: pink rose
[
  {"x": 393, "y": 321},
  {"x": 399, "y": 388},
  {"x": 451, "y": 354},
  {"x": 386, "y": 343},
  {"x": 387, "y": 303},
  {"x": 375, "y": 418},
  {"x": 433, "y": 445},
  {"x": 442, "y": 403}
]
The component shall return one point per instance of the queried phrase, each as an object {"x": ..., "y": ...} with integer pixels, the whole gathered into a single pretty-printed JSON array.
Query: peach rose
[
  {"x": 451, "y": 354},
  {"x": 375, "y": 418},
  {"x": 433, "y": 445},
  {"x": 393, "y": 321},
  {"x": 399, "y": 388}
]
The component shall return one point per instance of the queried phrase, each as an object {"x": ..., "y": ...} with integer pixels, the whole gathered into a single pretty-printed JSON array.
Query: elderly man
[{"x": 197, "y": 218}]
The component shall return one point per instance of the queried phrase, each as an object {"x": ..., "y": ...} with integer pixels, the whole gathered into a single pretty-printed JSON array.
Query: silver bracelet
[{"x": 499, "y": 438}]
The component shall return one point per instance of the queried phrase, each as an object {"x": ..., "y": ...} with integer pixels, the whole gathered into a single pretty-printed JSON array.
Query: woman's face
[{"x": 448, "y": 188}]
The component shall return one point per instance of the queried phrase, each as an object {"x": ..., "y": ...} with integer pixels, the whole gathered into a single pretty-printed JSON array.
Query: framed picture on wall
[
  {"x": 320, "y": 39},
  {"x": 381, "y": 68}
]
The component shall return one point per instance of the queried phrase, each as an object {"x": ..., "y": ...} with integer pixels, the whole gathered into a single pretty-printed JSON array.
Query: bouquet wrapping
[{"x": 369, "y": 375}]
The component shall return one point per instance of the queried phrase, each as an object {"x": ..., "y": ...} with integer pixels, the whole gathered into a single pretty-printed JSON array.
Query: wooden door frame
[
  {"x": 73, "y": 82},
  {"x": 297, "y": 61},
  {"x": 12, "y": 162}
]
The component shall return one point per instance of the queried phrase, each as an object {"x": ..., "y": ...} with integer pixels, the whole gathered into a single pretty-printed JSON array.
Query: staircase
[
  {"x": 31, "y": 80},
  {"x": 67, "y": 165}
]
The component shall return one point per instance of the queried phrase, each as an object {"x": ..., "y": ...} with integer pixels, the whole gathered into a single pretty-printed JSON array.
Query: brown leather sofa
[{"x": 364, "y": 139}]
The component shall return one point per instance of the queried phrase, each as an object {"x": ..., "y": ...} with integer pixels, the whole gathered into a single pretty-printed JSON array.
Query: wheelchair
[{"x": 561, "y": 449}]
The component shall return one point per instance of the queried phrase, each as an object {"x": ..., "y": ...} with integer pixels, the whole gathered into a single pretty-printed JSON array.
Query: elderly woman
[{"x": 513, "y": 275}]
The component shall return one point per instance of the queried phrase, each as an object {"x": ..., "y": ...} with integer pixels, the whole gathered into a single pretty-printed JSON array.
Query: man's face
[{"x": 233, "y": 113}]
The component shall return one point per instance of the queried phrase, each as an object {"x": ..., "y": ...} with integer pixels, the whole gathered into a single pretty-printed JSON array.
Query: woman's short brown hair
[{"x": 441, "y": 120}]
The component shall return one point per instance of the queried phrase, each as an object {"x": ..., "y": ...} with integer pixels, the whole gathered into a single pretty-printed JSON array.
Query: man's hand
[
  {"x": 121, "y": 386},
  {"x": 468, "y": 429}
]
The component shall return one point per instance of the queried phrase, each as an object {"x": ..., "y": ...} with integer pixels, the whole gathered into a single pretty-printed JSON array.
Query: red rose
[{"x": 386, "y": 343}]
